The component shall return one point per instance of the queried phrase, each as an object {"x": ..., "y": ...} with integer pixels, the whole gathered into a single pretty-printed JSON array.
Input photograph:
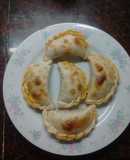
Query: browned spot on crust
[
  {"x": 36, "y": 94},
  {"x": 80, "y": 42},
  {"x": 76, "y": 123},
  {"x": 38, "y": 81},
  {"x": 100, "y": 80},
  {"x": 66, "y": 50},
  {"x": 69, "y": 125},
  {"x": 99, "y": 67}
]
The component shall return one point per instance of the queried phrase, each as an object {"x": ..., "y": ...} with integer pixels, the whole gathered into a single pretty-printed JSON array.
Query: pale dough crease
[{"x": 73, "y": 87}]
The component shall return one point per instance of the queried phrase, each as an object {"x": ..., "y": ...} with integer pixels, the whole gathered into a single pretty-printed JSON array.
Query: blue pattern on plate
[
  {"x": 116, "y": 123},
  {"x": 118, "y": 56},
  {"x": 14, "y": 103},
  {"x": 36, "y": 134},
  {"x": 22, "y": 57},
  {"x": 128, "y": 88}
]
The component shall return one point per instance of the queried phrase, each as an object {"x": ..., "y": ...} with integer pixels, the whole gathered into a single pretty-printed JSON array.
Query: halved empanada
[
  {"x": 35, "y": 85},
  {"x": 104, "y": 79},
  {"x": 68, "y": 43},
  {"x": 69, "y": 125},
  {"x": 73, "y": 88}
]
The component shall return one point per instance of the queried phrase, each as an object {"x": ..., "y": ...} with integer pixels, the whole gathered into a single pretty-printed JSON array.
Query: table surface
[{"x": 21, "y": 18}]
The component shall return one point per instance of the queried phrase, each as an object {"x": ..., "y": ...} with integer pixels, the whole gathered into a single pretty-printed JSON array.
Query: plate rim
[{"x": 51, "y": 26}]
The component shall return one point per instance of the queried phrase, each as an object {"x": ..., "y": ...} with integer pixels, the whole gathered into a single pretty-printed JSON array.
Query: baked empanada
[
  {"x": 35, "y": 85},
  {"x": 73, "y": 87},
  {"x": 104, "y": 81},
  {"x": 69, "y": 125},
  {"x": 64, "y": 44}
]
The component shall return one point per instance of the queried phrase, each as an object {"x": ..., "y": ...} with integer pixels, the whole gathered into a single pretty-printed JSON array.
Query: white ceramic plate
[{"x": 113, "y": 118}]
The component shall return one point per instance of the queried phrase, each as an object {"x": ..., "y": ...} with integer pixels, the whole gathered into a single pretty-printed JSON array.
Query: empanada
[
  {"x": 67, "y": 43},
  {"x": 35, "y": 85},
  {"x": 73, "y": 87},
  {"x": 69, "y": 125},
  {"x": 104, "y": 81}
]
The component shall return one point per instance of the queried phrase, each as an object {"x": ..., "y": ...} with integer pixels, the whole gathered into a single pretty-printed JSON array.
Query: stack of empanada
[{"x": 73, "y": 116}]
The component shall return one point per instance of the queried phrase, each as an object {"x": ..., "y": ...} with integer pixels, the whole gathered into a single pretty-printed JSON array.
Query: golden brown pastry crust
[
  {"x": 67, "y": 43},
  {"x": 74, "y": 85},
  {"x": 72, "y": 128},
  {"x": 35, "y": 85},
  {"x": 104, "y": 81}
]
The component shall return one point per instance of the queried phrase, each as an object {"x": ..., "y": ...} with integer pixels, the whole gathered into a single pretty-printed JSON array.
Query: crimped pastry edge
[{"x": 113, "y": 90}]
